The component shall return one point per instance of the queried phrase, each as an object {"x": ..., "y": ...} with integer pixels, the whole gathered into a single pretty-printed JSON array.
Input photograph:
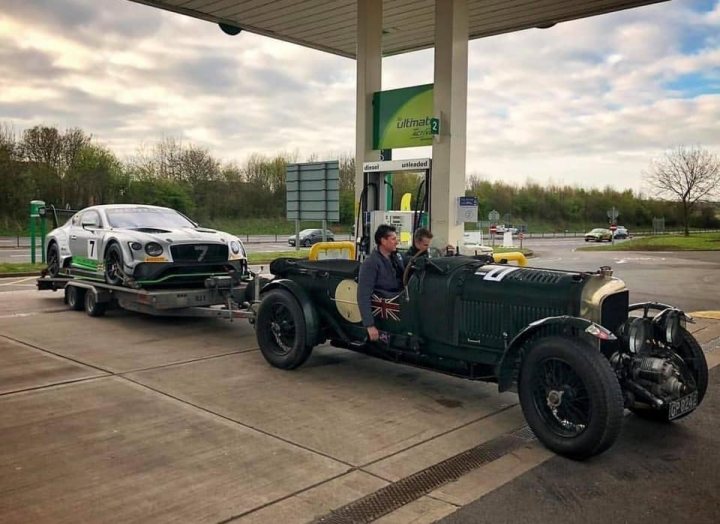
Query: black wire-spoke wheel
[
  {"x": 570, "y": 396},
  {"x": 694, "y": 358},
  {"x": 281, "y": 330},
  {"x": 114, "y": 274},
  {"x": 53, "y": 260},
  {"x": 560, "y": 398}
]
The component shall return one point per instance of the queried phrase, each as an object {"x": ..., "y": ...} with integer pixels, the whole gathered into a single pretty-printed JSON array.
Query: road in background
[{"x": 687, "y": 279}]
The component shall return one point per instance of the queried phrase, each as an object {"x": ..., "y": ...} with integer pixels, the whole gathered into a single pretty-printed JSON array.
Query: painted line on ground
[
  {"x": 713, "y": 315},
  {"x": 15, "y": 282}
]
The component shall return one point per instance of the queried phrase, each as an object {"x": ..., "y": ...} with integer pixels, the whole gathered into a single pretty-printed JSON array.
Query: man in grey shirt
[{"x": 381, "y": 273}]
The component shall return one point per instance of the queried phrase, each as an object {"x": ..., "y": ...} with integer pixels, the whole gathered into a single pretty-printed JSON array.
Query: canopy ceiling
[{"x": 408, "y": 25}]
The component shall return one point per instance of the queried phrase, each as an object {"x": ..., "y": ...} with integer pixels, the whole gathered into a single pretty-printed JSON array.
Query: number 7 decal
[{"x": 92, "y": 251}]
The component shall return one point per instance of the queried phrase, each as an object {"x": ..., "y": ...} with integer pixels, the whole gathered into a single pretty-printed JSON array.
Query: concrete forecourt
[{"x": 142, "y": 419}]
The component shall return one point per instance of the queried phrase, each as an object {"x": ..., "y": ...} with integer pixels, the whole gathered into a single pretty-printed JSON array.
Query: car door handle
[{"x": 73, "y": 237}]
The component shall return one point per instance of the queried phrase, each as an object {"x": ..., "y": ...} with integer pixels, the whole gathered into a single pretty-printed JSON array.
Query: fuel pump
[{"x": 373, "y": 206}]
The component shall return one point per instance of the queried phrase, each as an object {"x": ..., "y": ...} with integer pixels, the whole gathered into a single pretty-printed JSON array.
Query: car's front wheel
[
  {"x": 307, "y": 242},
  {"x": 114, "y": 274},
  {"x": 281, "y": 331},
  {"x": 570, "y": 397}
]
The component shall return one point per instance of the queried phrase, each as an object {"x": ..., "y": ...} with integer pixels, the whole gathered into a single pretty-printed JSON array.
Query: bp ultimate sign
[
  {"x": 313, "y": 191},
  {"x": 403, "y": 117}
]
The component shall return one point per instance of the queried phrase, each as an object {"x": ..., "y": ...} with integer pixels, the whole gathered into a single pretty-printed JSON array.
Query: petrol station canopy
[{"x": 408, "y": 25}]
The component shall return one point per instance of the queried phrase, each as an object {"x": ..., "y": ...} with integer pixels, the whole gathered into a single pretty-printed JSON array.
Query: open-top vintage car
[
  {"x": 141, "y": 245},
  {"x": 568, "y": 342}
]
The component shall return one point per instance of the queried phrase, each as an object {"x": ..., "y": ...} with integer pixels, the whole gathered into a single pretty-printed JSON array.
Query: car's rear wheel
[
  {"x": 53, "y": 260},
  {"x": 694, "y": 357},
  {"x": 114, "y": 274},
  {"x": 570, "y": 397},
  {"x": 74, "y": 297},
  {"x": 281, "y": 331}
]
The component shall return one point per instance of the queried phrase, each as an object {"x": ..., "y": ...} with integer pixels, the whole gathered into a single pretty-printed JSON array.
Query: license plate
[{"x": 682, "y": 405}]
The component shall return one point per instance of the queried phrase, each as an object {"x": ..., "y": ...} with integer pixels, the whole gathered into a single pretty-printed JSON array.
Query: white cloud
[{"x": 588, "y": 102}]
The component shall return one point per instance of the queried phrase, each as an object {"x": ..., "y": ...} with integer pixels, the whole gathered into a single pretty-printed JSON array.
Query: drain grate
[{"x": 404, "y": 491}]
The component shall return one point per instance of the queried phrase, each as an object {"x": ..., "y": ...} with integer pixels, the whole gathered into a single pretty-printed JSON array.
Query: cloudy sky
[{"x": 585, "y": 103}]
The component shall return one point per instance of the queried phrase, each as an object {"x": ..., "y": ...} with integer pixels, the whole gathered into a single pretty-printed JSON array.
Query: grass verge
[
  {"x": 695, "y": 242},
  {"x": 265, "y": 257},
  {"x": 21, "y": 267}
]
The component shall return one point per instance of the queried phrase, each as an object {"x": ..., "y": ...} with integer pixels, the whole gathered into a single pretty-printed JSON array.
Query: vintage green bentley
[{"x": 568, "y": 342}]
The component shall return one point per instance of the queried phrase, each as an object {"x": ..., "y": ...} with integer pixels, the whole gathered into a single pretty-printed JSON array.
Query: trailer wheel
[
  {"x": 74, "y": 297},
  {"x": 281, "y": 331},
  {"x": 92, "y": 306},
  {"x": 114, "y": 265},
  {"x": 570, "y": 397}
]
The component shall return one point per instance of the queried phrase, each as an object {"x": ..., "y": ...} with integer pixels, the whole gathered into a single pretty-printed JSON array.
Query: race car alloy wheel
[
  {"x": 114, "y": 265},
  {"x": 74, "y": 297},
  {"x": 92, "y": 306},
  {"x": 692, "y": 354},
  {"x": 53, "y": 260},
  {"x": 570, "y": 397},
  {"x": 281, "y": 330}
]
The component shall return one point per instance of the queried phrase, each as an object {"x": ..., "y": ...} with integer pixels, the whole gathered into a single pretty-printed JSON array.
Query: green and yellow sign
[{"x": 403, "y": 117}]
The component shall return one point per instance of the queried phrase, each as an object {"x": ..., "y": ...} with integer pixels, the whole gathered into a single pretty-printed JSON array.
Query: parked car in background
[
  {"x": 598, "y": 235},
  {"x": 139, "y": 245},
  {"x": 308, "y": 237},
  {"x": 621, "y": 232}
]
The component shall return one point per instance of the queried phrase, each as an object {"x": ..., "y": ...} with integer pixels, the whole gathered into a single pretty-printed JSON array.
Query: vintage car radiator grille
[
  {"x": 199, "y": 253},
  {"x": 484, "y": 322},
  {"x": 615, "y": 310}
]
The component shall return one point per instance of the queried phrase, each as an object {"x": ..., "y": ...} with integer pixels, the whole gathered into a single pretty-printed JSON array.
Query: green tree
[{"x": 688, "y": 175}]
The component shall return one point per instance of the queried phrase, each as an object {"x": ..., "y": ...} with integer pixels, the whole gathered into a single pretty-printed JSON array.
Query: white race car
[{"x": 141, "y": 245}]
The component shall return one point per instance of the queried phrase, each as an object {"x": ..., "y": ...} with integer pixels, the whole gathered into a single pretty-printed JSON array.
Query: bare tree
[{"x": 686, "y": 174}]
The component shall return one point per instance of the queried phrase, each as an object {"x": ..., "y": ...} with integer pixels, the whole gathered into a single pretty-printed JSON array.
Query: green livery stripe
[{"x": 84, "y": 263}]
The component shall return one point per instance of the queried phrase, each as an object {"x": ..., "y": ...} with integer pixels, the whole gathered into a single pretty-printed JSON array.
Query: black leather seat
[{"x": 340, "y": 267}]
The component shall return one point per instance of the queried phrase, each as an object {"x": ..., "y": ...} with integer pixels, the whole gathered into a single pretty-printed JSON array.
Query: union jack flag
[{"x": 385, "y": 308}]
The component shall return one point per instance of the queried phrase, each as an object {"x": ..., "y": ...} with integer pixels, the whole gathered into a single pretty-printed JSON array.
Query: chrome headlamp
[
  {"x": 635, "y": 333},
  {"x": 668, "y": 326},
  {"x": 235, "y": 247}
]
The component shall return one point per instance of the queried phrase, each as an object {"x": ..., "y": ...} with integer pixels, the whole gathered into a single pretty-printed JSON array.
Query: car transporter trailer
[{"x": 220, "y": 297}]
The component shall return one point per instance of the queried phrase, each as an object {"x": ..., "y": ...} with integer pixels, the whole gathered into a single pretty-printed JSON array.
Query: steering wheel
[{"x": 410, "y": 265}]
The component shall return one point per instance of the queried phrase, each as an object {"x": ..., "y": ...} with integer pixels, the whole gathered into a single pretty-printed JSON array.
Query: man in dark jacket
[
  {"x": 380, "y": 273},
  {"x": 421, "y": 243}
]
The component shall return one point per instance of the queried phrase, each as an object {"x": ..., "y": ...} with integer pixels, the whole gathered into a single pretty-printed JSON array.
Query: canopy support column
[
  {"x": 450, "y": 105},
  {"x": 369, "y": 80}
]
